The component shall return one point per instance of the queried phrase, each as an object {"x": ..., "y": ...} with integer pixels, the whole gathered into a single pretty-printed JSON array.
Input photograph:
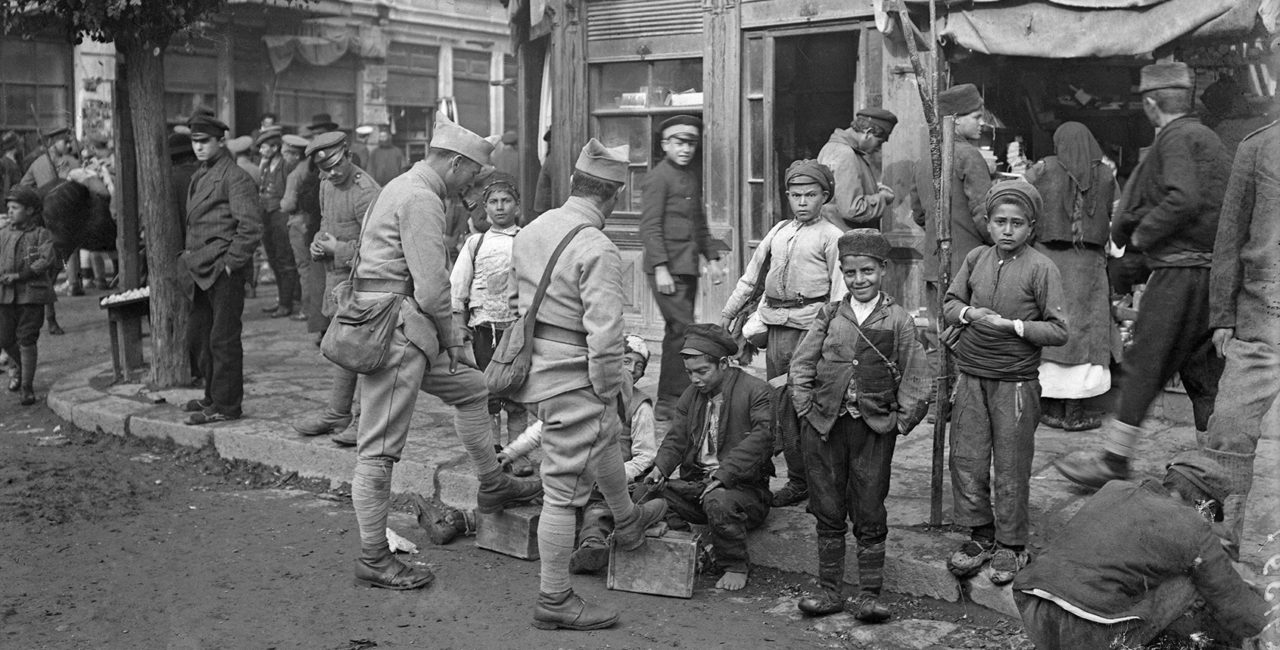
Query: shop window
[
  {"x": 629, "y": 102},
  {"x": 471, "y": 89},
  {"x": 34, "y": 75}
]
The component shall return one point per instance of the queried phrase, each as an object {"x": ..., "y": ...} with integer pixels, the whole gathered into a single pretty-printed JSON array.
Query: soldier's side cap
[
  {"x": 683, "y": 127},
  {"x": 25, "y": 196},
  {"x": 1203, "y": 472},
  {"x": 455, "y": 138},
  {"x": 326, "y": 141},
  {"x": 637, "y": 345},
  {"x": 708, "y": 338},
  {"x": 959, "y": 100},
  {"x": 886, "y": 120},
  {"x": 267, "y": 135},
  {"x": 295, "y": 141},
  {"x": 1158, "y": 76},
  {"x": 605, "y": 163},
  {"x": 206, "y": 126},
  {"x": 236, "y": 145},
  {"x": 864, "y": 241}
]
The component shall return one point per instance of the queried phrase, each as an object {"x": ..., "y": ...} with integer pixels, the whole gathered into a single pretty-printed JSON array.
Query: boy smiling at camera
[{"x": 1009, "y": 300}]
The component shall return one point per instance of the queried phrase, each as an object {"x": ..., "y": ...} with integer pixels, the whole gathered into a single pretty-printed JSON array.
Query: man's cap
[
  {"x": 24, "y": 195},
  {"x": 1158, "y": 76},
  {"x": 453, "y": 137},
  {"x": 179, "y": 144},
  {"x": 322, "y": 122},
  {"x": 295, "y": 141},
  {"x": 510, "y": 138},
  {"x": 239, "y": 145},
  {"x": 682, "y": 127},
  {"x": 708, "y": 338},
  {"x": 206, "y": 126},
  {"x": 864, "y": 241},
  {"x": 809, "y": 171},
  {"x": 267, "y": 135},
  {"x": 327, "y": 148},
  {"x": 499, "y": 181},
  {"x": 57, "y": 132},
  {"x": 637, "y": 345},
  {"x": 365, "y": 130},
  {"x": 605, "y": 163},
  {"x": 9, "y": 140},
  {"x": 1203, "y": 472},
  {"x": 959, "y": 100},
  {"x": 886, "y": 120}
]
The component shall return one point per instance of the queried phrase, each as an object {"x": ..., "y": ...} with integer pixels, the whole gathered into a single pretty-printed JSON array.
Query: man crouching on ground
[
  {"x": 575, "y": 378},
  {"x": 721, "y": 438}
]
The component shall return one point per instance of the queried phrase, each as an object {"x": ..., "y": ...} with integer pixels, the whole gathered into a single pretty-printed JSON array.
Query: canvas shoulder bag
[{"x": 509, "y": 368}]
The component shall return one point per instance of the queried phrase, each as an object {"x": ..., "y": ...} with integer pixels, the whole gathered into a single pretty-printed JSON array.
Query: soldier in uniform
[
  {"x": 673, "y": 228},
  {"x": 575, "y": 378},
  {"x": 53, "y": 164},
  {"x": 345, "y": 196},
  {"x": 860, "y": 200},
  {"x": 402, "y": 251},
  {"x": 224, "y": 222}
]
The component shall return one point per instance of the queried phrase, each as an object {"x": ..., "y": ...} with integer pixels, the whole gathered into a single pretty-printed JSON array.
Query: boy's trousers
[{"x": 849, "y": 478}]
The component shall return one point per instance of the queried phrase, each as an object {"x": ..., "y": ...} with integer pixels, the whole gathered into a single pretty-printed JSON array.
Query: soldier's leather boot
[
  {"x": 830, "y": 598},
  {"x": 567, "y": 611},
  {"x": 629, "y": 534},
  {"x": 379, "y": 568},
  {"x": 502, "y": 491},
  {"x": 323, "y": 423},
  {"x": 441, "y": 522}
]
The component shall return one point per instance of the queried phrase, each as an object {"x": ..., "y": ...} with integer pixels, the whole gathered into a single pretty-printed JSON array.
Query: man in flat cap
[
  {"x": 803, "y": 263},
  {"x": 1132, "y": 562},
  {"x": 1168, "y": 211},
  {"x": 576, "y": 376},
  {"x": 272, "y": 175},
  {"x": 402, "y": 252},
  {"x": 345, "y": 196},
  {"x": 673, "y": 228},
  {"x": 54, "y": 163},
  {"x": 860, "y": 198},
  {"x": 224, "y": 224},
  {"x": 721, "y": 439}
]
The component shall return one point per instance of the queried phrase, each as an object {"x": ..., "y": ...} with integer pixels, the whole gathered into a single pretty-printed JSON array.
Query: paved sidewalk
[{"x": 286, "y": 378}]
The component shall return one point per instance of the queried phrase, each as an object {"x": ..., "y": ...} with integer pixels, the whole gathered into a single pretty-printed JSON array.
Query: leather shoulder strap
[{"x": 530, "y": 317}]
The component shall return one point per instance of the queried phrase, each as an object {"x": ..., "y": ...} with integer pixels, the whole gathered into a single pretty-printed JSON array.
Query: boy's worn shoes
[
  {"x": 567, "y": 611},
  {"x": 969, "y": 558},
  {"x": 868, "y": 609},
  {"x": 591, "y": 556},
  {"x": 629, "y": 535},
  {"x": 1005, "y": 565},
  {"x": 1051, "y": 421},
  {"x": 505, "y": 492},
  {"x": 390, "y": 573},
  {"x": 323, "y": 423},
  {"x": 196, "y": 406},
  {"x": 789, "y": 495},
  {"x": 821, "y": 605},
  {"x": 1091, "y": 470},
  {"x": 210, "y": 417}
]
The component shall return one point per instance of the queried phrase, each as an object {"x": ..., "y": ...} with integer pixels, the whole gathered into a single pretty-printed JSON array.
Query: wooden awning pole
[{"x": 942, "y": 400}]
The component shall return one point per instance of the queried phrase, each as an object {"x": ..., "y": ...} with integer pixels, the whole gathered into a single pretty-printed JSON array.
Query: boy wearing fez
[
  {"x": 858, "y": 380},
  {"x": 721, "y": 438},
  {"x": 673, "y": 228},
  {"x": 1009, "y": 300}
]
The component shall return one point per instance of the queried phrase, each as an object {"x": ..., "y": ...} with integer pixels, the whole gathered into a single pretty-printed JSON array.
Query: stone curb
[{"x": 915, "y": 565}]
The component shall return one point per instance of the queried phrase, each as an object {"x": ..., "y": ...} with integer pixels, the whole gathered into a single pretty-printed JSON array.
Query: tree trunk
[{"x": 170, "y": 362}]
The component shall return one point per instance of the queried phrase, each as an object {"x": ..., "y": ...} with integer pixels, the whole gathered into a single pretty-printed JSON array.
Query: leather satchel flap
[{"x": 512, "y": 343}]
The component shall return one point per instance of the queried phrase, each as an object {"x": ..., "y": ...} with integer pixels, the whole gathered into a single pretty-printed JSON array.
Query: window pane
[
  {"x": 620, "y": 85},
  {"x": 756, "y": 107},
  {"x": 410, "y": 121},
  {"x": 677, "y": 83},
  {"x": 473, "y": 104},
  {"x": 755, "y": 65},
  {"x": 634, "y": 187},
  {"x": 760, "y": 222},
  {"x": 615, "y": 131},
  {"x": 411, "y": 89},
  {"x": 18, "y": 100}
]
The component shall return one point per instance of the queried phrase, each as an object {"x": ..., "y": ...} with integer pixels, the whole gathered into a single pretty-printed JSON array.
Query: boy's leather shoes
[
  {"x": 567, "y": 611},
  {"x": 821, "y": 605}
]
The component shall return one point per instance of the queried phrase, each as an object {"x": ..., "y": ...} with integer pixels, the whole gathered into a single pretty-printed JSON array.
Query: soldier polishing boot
[
  {"x": 567, "y": 611},
  {"x": 629, "y": 534},
  {"x": 501, "y": 491},
  {"x": 830, "y": 598}
]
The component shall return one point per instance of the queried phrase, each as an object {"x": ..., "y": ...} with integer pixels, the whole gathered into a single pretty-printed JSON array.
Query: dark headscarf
[{"x": 1078, "y": 151}]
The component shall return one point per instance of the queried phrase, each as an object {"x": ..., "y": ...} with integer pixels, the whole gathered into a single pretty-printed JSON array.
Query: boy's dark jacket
[
  {"x": 745, "y": 439},
  {"x": 830, "y": 354}
]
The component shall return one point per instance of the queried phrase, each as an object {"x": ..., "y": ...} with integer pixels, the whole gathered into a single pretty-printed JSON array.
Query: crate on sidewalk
[
  {"x": 513, "y": 532},
  {"x": 662, "y": 566}
]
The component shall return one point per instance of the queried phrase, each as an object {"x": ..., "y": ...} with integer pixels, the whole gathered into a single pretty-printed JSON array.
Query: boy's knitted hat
[{"x": 864, "y": 241}]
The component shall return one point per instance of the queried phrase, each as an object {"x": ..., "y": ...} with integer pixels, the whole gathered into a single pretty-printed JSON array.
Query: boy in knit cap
[
  {"x": 26, "y": 253},
  {"x": 858, "y": 380},
  {"x": 1008, "y": 299}
]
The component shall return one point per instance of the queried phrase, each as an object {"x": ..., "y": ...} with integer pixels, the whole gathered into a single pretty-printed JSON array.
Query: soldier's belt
[
  {"x": 402, "y": 287},
  {"x": 548, "y": 332}
]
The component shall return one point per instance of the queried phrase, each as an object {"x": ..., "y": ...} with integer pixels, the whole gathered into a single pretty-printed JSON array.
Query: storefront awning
[
  {"x": 1095, "y": 28},
  {"x": 323, "y": 41}
]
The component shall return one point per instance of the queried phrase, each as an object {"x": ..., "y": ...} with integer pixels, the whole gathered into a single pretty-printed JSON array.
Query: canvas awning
[{"x": 1094, "y": 28}]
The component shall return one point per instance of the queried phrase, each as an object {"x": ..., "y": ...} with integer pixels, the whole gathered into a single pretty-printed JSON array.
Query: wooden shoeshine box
[
  {"x": 663, "y": 566},
  {"x": 513, "y": 532}
]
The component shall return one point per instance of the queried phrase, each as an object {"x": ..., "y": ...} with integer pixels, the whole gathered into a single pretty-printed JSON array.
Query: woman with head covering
[
  {"x": 1008, "y": 301},
  {"x": 1078, "y": 189}
]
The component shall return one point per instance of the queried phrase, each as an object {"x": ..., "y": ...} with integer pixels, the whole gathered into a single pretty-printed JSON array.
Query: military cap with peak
[
  {"x": 605, "y": 163},
  {"x": 267, "y": 135},
  {"x": 864, "y": 241},
  {"x": 327, "y": 148},
  {"x": 235, "y": 145},
  {"x": 365, "y": 130},
  {"x": 204, "y": 127},
  {"x": 886, "y": 120},
  {"x": 295, "y": 141},
  {"x": 683, "y": 127},
  {"x": 708, "y": 338},
  {"x": 452, "y": 137}
]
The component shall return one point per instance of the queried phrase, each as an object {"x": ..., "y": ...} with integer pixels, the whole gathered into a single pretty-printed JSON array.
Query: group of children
[{"x": 858, "y": 379}]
